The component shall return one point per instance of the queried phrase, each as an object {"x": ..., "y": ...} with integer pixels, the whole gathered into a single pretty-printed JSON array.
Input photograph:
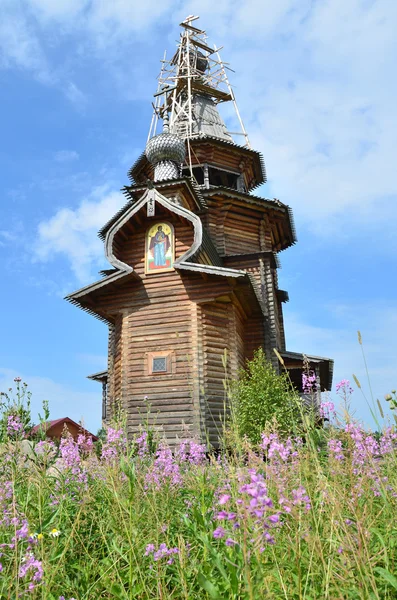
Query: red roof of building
[{"x": 65, "y": 420}]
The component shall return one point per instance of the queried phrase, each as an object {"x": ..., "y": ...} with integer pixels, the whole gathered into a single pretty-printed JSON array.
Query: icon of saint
[{"x": 159, "y": 245}]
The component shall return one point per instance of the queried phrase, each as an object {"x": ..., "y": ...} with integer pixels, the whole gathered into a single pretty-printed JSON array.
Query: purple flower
[
  {"x": 327, "y": 409},
  {"x": 191, "y": 452},
  {"x": 335, "y": 449},
  {"x": 219, "y": 533},
  {"x": 162, "y": 552},
  {"x": 230, "y": 542},
  {"x": 274, "y": 518},
  {"x": 30, "y": 565},
  {"x": 164, "y": 469},
  {"x": 150, "y": 548},
  {"x": 224, "y": 499},
  {"x": 14, "y": 425},
  {"x": 142, "y": 445},
  {"x": 222, "y": 514},
  {"x": 309, "y": 382},
  {"x": 114, "y": 446},
  {"x": 344, "y": 388}
]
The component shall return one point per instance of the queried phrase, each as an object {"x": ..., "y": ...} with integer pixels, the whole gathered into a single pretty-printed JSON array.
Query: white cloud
[
  {"x": 315, "y": 88},
  {"x": 64, "y": 401},
  {"x": 72, "y": 233},
  {"x": 19, "y": 45},
  {"x": 66, "y": 156},
  {"x": 320, "y": 73},
  {"x": 75, "y": 95}
]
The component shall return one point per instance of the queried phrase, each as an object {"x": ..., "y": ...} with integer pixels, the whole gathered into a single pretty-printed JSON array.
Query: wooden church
[{"x": 194, "y": 257}]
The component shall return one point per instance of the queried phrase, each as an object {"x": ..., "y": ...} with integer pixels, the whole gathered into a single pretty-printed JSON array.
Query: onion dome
[{"x": 166, "y": 152}]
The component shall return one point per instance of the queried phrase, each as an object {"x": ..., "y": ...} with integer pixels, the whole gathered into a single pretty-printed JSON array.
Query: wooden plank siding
[
  {"x": 193, "y": 316},
  {"x": 216, "y": 338},
  {"x": 180, "y": 313}
]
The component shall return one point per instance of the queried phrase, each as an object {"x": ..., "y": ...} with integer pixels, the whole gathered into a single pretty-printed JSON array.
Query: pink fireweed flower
[
  {"x": 219, "y": 533},
  {"x": 309, "y": 382},
  {"x": 388, "y": 440},
  {"x": 32, "y": 567},
  {"x": 275, "y": 449},
  {"x": 335, "y": 449},
  {"x": 230, "y": 542},
  {"x": 252, "y": 506},
  {"x": 114, "y": 446},
  {"x": 142, "y": 445},
  {"x": 224, "y": 498},
  {"x": 162, "y": 552},
  {"x": 327, "y": 409},
  {"x": 191, "y": 452},
  {"x": 344, "y": 388},
  {"x": 165, "y": 470},
  {"x": 14, "y": 425}
]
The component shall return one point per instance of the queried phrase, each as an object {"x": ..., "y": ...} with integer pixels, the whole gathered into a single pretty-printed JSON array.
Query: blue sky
[{"x": 316, "y": 87}]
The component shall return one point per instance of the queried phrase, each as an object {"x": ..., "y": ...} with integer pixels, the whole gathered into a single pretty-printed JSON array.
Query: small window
[{"x": 159, "y": 364}]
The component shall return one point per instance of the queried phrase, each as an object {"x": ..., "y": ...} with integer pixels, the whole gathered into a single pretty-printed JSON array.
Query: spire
[
  {"x": 190, "y": 87},
  {"x": 166, "y": 152}
]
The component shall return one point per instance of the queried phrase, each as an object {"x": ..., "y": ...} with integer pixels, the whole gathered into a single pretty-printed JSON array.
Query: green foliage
[
  {"x": 15, "y": 403},
  {"x": 87, "y": 523},
  {"x": 262, "y": 397}
]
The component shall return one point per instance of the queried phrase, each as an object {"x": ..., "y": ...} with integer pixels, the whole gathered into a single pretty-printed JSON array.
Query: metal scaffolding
[{"x": 191, "y": 85}]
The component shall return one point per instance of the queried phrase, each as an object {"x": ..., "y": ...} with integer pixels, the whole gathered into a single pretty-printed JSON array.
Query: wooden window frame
[{"x": 169, "y": 355}]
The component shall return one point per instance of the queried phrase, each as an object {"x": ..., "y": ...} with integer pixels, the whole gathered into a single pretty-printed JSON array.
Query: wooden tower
[{"x": 194, "y": 256}]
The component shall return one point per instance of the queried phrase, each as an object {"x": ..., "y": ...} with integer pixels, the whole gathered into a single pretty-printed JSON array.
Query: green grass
[{"x": 338, "y": 541}]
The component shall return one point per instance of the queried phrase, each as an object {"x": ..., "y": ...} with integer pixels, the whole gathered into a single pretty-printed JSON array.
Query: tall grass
[{"x": 304, "y": 517}]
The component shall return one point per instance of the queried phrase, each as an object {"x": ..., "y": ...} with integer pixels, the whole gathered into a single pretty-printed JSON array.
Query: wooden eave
[
  {"x": 282, "y": 296},
  {"x": 326, "y": 366},
  {"x": 88, "y": 297},
  {"x": 101, "y": 376},
  {"x": 274, "y": 260},
  {"x": 281, "y": 217},
  {"x": 134, "y": 193},
  {"x": 211, "y": 149},
  {"x": 185, "y": 185},
  {"x": 85, "y": 297}
]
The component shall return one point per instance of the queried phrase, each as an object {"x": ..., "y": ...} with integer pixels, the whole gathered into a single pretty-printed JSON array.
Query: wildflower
[
  {"x": 327, "y": 409},
  {"x": 335, "y": 449},
  {"x": 17, "y": 379},
  {"x": 191, "y": 452},
  {"x": 114, "y": 446},
  {"x": 224, "y": 498},
  {"x": 222, "y": 514},
  {"x": 162, "y": 552},
  {"x": 14, "y": 425},
  {"x": 150, "y": 548},
  {"x": 40, "y": 536},
  {"x": 164, "y": 469},
  {"x": 274, "y": 518},
  {"x": 230, "y": 542},
  {"x": 141, "y": 442},
  {"x": 219, "y": 533},
  {"x": 309, "y": 382},
  {"x": 54, "y": 533},
  {"x": 344, "y": 387},
  {"x": 30, "y": 565}
]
